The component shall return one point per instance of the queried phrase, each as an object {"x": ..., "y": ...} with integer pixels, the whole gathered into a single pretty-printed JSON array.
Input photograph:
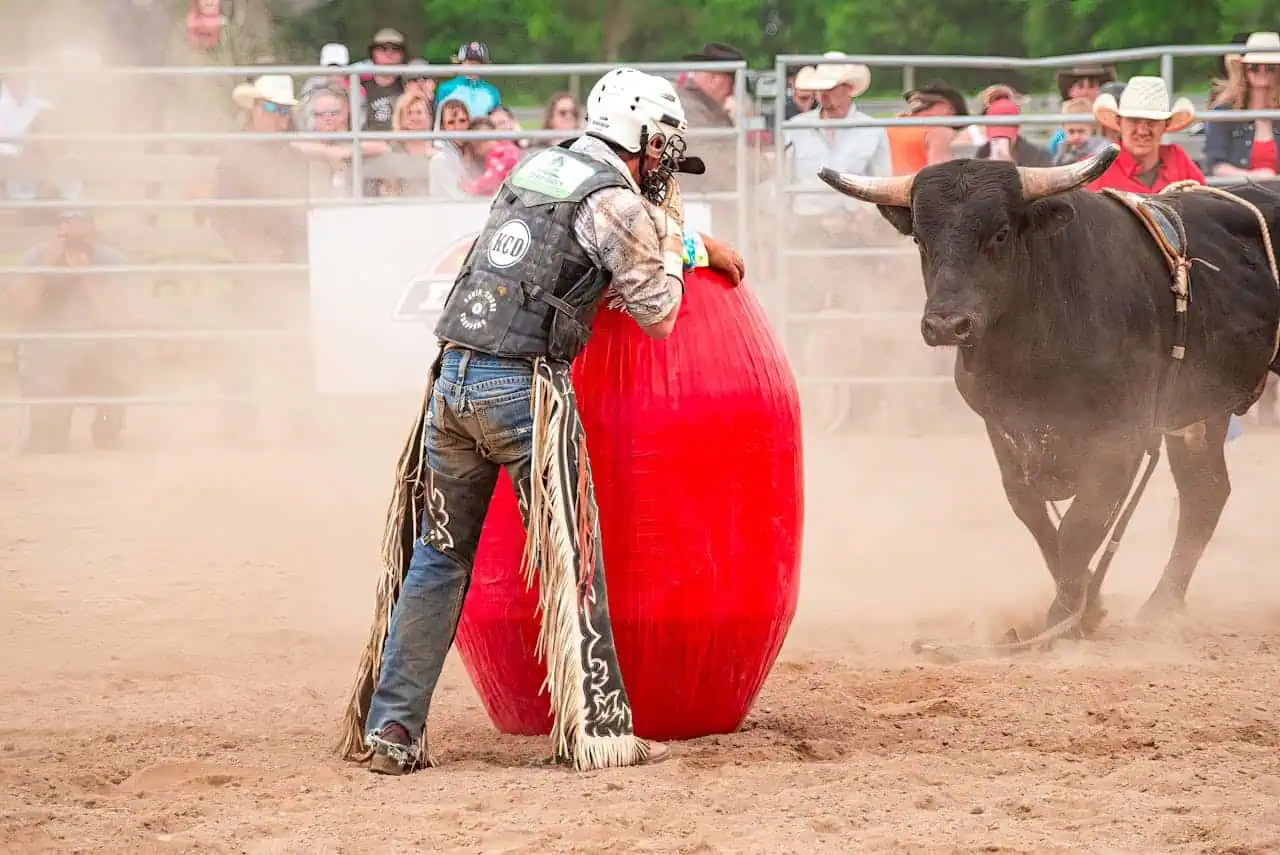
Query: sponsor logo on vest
[
  {"x": 480, "y": 305},
  {"x": 509, "y": 244}
]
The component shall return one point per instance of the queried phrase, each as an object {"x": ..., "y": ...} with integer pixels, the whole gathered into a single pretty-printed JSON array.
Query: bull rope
[{"x": 1180, "y": 265}]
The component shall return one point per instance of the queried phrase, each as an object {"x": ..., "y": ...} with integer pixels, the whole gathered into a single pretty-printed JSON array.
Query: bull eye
[{"x": 1000, "y": 237}]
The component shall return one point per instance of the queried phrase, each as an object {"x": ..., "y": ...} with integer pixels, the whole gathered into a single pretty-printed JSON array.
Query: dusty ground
[{"x": 178, "y": 633}]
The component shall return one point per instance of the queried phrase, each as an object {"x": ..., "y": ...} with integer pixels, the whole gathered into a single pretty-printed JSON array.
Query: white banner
[{"x": 379, "y": 276}]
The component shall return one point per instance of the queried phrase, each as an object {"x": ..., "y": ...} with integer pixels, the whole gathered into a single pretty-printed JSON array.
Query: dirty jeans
[{"x": 479, "y": 418}]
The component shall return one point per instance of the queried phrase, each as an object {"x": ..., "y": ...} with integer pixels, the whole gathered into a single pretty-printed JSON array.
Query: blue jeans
[{"x": 479, "y": 418}]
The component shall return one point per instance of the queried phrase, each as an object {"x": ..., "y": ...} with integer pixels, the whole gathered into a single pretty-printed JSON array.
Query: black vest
[{"x": 527, "y": 288}]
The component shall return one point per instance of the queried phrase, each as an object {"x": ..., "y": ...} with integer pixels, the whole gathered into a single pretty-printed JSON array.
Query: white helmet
[{"x": 626, "y": 102}]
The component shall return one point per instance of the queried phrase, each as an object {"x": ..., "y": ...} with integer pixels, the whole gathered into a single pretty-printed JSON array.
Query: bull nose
[{"x": 946, "y": 329}]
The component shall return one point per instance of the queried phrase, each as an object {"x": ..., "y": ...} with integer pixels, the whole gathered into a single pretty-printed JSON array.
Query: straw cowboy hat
[
  {"x": 805, "y": 78},
  {"x": 1260, "y": 42},
  {"x": 1092, "y": 71},
  {"x": 276, "y": 88},
  {"x": 829, "y": 75},
  {"x": 1144, "y": 98}
]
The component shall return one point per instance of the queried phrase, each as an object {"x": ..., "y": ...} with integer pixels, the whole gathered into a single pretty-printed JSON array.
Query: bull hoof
[{"x": 1163, "y": 607}]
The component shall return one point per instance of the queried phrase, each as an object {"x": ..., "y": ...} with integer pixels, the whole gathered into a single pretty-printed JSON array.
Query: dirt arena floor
[{"x": 179, "y": 632}]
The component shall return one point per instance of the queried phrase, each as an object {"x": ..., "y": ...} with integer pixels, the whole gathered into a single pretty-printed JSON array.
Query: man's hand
[{"x": 725, "y": 259}]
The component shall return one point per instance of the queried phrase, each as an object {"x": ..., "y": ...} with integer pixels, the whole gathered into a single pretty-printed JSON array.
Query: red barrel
[{"x": 695, "y": 448}]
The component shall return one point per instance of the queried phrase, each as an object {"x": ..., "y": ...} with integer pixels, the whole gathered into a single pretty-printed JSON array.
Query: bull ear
[
  {"x": 1047, "y": 217},
  {"x": 899, "y": 218}
]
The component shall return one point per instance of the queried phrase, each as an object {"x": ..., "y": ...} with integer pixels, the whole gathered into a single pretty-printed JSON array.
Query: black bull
[{"x": 1061, "y": 306}]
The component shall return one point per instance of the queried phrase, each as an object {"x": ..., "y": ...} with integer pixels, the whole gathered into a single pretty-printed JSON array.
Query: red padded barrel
[{"x": 695, "y": 448}]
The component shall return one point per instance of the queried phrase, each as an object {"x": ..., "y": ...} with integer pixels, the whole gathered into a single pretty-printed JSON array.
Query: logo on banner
[
  {"x": 509, "y": 244},
  {"x": 423, "y": 298}
]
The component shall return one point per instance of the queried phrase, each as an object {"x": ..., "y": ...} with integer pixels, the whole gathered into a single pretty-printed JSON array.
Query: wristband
[
  {"x": 695, "y": 251},
  {"x": 673, "y": 264}
]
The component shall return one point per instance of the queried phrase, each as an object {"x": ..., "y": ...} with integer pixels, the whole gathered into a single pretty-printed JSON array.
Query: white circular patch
[
  {"x": 480, "y": 305},
  {"x": 509, "y": 244}
]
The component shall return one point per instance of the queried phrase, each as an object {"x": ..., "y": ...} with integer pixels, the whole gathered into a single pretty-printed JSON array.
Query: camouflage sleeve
[{"x": 617, "y": 231}]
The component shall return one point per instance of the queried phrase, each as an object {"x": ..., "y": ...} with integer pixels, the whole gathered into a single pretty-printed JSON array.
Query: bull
[{"x": 1060, "y": 305}]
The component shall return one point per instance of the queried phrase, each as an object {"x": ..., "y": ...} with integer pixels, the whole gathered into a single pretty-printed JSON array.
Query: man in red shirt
[{"x": 1142, "y": 117}]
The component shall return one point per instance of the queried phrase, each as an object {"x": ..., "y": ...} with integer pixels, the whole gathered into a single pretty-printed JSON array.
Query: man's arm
[{"x": 615, "y": 226}]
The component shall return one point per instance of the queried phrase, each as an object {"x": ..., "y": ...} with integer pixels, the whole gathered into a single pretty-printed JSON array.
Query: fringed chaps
[
  {"x": 592, "y": 726},
  {"x": 591, "y": 714}
]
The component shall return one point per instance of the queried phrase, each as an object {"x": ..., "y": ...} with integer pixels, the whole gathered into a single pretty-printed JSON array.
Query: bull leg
[
  {"x": 1199, "y": 468},
  {"x": 1026, "y": 503},
  {"x": 1104, "y": 485}
]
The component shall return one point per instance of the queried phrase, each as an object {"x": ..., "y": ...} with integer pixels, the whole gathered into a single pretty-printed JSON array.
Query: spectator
[
  {"x": 261, "y": 234},
  {"x": 205, "y": 23},
  {"x": 424, "y": 83},
  {"x": 1252, "y": 83},
  {"x": 64, "y": 303},
  {"x": 861, "y": 151},
  {"x": 331, "y": 114},
  {"x": 505, "y": 120},
  {"x": 413, "y": 113},
  {"x": 382, "y": 90},
  {"x": 1082, "y": 81},
  {"x": 801, "y": 97},
  {"x": 1082, "y": 139},
  {"x": 914, "y": 148},
  {"x": 451, "y": 168},
  {"x": 561, "y": 114},
  {"x": 976, "y": 135},
  {"x": 479, "y": 96},
  {"x": 705, "y": 96},
  {"x": 494, "y": 159},
  {"x": 1143, "y": 116},
  {"x": 337, "y": 57},
  {"x": 1006, "y": 142},
  {"x": 1220, "y": 68},
  {"x": 21, "y": 112}
]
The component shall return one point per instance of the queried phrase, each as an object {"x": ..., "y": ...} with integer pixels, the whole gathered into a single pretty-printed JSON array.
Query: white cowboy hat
[
  {"x": 276, "y": 88},
  {"x": 805, "y": 78},
  {"x": 335, "y": 54},
  {"x": 829, "y": 75},
  {"x": 1144, "y": 98},
  {"x": 1262, "y": 40}
]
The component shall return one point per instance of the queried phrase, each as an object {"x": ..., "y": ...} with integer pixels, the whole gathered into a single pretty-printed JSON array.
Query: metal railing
[
  {"x": 362, "y": 168},
  {"x": 789, "y": 320}
]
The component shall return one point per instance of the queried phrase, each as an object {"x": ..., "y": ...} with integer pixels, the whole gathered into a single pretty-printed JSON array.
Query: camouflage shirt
[{"x": 617, "y": 231}]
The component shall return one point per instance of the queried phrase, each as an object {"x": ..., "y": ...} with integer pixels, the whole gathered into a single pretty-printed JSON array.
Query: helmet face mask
[{"x": 640, "y": 114}]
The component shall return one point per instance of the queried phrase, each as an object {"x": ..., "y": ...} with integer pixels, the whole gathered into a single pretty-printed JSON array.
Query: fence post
[
  {"x": 780, "y": 203},
  {"x": 1166, "y": 71},
  {"x": 357, "y": 150}
]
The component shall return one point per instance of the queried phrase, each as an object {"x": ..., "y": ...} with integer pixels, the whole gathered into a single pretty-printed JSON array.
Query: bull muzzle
[
  {"x": 1037, "y": 182},
  {"x": 949, "y": 329}
]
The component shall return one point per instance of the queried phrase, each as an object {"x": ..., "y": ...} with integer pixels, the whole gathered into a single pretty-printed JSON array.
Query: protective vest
[{"x": 527, "y": 288}]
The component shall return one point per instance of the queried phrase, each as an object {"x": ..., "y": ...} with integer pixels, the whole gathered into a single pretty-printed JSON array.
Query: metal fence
[{"x": 764, "y": 189}]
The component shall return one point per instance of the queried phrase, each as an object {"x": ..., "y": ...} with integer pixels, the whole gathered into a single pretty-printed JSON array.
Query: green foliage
[{"x": 529, "y": 31}]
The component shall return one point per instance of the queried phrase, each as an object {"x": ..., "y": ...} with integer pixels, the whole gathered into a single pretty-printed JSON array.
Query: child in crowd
[{"x": 1082, "y": 139}]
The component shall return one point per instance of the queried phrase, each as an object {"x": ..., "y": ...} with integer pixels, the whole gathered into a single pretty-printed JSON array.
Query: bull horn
[
  {"x": 894, "y": 191},
  {"x": 1041, "y": 181}
]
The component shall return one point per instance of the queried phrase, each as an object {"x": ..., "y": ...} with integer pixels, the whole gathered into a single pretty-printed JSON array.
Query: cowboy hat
[
  {"x": 942, "y": 91},
  {"x": 1265, "y": 43},
  {"x": 1144, "y": 98},
  {"x": 716, "y": 52},
  {"x": 805, "y": 78},
  {"x": 829, "y": 75},
  {"x": 1093, "y": 71},
  {"x": 999, "y": 91},
  {"x": 276, "y": 88}
]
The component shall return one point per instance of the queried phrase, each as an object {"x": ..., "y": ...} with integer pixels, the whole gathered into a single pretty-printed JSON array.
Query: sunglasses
[
  {"x": 390, "y": 46},
  {"x": 275, "y": 109},
  {"x": 1259, "y": 67}
]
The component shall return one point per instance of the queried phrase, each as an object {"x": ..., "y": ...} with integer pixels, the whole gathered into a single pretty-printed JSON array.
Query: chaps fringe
[
  {"x": 403, "y": 516},
  {"x": 562, "y": 527}
]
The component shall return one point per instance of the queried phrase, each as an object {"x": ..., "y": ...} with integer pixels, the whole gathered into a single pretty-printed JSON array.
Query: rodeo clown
[{"x": 599, "y": 211}]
